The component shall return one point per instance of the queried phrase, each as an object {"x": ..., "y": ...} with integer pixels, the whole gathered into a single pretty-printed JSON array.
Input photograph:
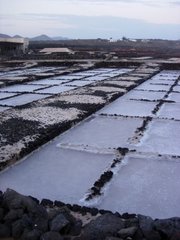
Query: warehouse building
[{"x": 13, "y": 46}]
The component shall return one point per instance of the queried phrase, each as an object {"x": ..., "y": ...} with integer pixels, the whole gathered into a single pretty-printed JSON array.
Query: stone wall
[{"x": 26, "y": 218}]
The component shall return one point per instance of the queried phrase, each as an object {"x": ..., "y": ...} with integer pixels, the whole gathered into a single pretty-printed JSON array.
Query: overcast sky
[{"x": 91, "y": 18}]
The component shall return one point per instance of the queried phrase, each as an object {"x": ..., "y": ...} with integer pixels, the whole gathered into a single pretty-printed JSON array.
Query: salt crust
[
  {"x": 86, "y": 99},
  {"x": 108, "y": 89},
  {"x": 12, "y": 151},
  {"x": 48, "y": 115}
]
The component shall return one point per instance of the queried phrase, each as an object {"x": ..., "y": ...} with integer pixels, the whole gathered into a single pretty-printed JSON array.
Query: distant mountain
[
  {"x": 4, "y": 35},
  {"x": 42, "y": 37},
  {"x": 59, "y": 38},
  {"x": 17, "y": 36}
]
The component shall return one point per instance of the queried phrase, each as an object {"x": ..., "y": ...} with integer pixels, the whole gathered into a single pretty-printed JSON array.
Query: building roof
[
  {"x": 56, "y": 50},
  {"x": 14, "y": 40}
]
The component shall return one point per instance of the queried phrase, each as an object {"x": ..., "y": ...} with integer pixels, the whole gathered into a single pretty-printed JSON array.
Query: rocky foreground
[{"x": 26, "y": 218}]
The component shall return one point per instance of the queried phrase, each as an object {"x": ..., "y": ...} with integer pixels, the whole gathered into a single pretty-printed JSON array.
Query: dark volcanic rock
[
  {"x": 1, "y": 198},
  {"x": 76, "y": 228},
  {"x": 51, "y": 236},
  {"x": 47, "y": 202},
  {"x": 14, "y": 200},
  {"x": 127, "y": 232},
  {"x": 59, "y": 222},
  {"x": 13, "y": 215},
  {"x": 105, "y": 225},
  {"x": 40, "y": 218},
  {"x": 146, "y": 226},
  {"x": 17, "y": 128},
  {"x": 4, "y": 231},
  {"x": 17, "y": 229},
  {"x": 1, "y": 214},
  {"x": 176, "y": 236},
  {"x": 167, "y": 227},
  {"x": 31, "y": 235},
  {"x": 17, "y": 203}
]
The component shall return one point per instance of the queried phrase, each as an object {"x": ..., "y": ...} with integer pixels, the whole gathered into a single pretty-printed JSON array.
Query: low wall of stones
[{"x": 24, "y": 217}]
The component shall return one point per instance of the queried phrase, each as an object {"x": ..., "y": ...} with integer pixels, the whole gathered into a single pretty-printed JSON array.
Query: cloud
[{"x": 74, "y": 26}]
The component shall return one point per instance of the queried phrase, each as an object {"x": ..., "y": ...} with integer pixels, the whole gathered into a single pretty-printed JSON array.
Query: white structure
[
  {"x": 11, "y": 46},
  {"x": 56, "y": 50}
]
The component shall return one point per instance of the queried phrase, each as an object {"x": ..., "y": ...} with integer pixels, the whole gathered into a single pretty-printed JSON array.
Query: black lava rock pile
[{"x": 25, "y": 218}]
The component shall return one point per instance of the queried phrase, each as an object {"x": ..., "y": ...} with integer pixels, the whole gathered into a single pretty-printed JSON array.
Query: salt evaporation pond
[
  {"x": 55, "y": 89},
  {"x": 162, "y": 137},
  {"x": 174, "y": 97},
  {"x": 129, "y": 108},
  {"x": 101, "y": 132},
  {"x": 145, "y": 95},
  {"x": 67, "y": 167},
  {"x": 21, "y": 88},
  {"x": 149, "y": 87},
  {"x": 79, "y": 83},
  {"x": 145, "y": 186},
  {"x": 170, "y": 110},
  {"x": 22, "y": 99},
  {"x": 50, "y": 81},
  {"x": 56, "y": 174},
  {"x": 6, "y": 95}
]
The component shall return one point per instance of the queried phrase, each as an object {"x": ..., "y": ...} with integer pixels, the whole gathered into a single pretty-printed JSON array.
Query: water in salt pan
[
  {"x": 84, "y": 74},
  {"x": 145, "y": 186},
  {"x": 21, "y": 88},
  {"x": 79, "y": 83},
  {"x": 129, "y": 108},
  {"x": 174, "y": 97},
  {"x": 170, "y": 110},
  {"x": 6, "y": 95},
  {"x": 56, "y": 174},
  {"x": 49, "y": 81},
  {"x": 101, "y": 133},
  {"x": 55, "y": 89},
  {"x": 176, "y": 88},
  {"x": 159, "y": 82},
  {"x": 96, "y": 78},
  {"x": 22, "y": 99},
  {"x": 147, "y": 86},
  {"x": 162, "y": 137},
  {"x": 145, "y": 95},
  {"x": 69, "y": 77}
]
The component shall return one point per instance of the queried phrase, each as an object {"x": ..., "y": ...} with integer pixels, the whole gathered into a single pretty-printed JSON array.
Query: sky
[{"x": 91, "y": 18}]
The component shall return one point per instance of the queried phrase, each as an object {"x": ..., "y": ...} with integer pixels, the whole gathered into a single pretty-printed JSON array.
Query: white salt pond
[
  {"x": 79, "y": 83},
  {"x": 22, "y": 99},
  {"x": 149, "y": 87},
  {"x": 170, "y": 110},
  {"x": 55, "y": 89},
  {"x": 174, "y": 97},
  {"x": 56, "y": 174},
  {"x": 70, "y": 77},
  {"x": 6, "y": 95},
  {"x": 20, "y": 88},
  {"x": 101, "y": 133},
  {"x": 50, "y": 81},
  {"x": 176, "y": 88},
  {"x": 129, "y": 108},
  {"x": 96, "y": 78},
  {"x": 162, "y": 137},
  {"x": 156, "y": 81},
  {"x": 65, "y": 168},
  {"x": 145, "y": 186},
  {"x": 145, "y": 95}
]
